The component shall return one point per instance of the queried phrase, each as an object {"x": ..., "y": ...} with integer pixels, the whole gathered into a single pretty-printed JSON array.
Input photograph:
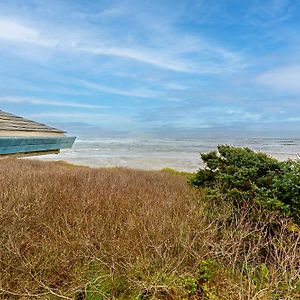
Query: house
[{"x": 22, "y": 137}]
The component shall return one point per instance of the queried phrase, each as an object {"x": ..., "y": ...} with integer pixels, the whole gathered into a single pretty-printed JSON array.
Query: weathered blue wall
[{"x": 12, "y": 145}]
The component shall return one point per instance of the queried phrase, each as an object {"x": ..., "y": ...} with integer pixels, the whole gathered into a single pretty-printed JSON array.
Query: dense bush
[{"x": 241, "y": 174}]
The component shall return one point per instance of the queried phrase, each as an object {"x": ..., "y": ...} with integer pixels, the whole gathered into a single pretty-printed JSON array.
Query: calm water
[{"x": 162, "y": 153}]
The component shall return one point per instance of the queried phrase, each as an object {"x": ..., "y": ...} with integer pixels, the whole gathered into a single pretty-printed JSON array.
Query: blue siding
[{"x": 12, "y": 145}]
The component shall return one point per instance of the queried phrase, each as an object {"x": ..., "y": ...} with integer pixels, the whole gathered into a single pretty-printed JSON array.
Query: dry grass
[{"x": 128, "y": 234}]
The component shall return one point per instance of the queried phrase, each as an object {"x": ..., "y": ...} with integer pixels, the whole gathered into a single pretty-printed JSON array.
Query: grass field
[{"x": 81, "y": 233}]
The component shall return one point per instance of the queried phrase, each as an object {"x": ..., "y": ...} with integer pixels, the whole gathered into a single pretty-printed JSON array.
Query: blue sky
[{"x": 163, "y": 68}]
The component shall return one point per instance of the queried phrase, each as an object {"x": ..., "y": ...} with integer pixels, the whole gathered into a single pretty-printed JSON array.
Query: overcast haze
[{"x": 167, "y": 68}]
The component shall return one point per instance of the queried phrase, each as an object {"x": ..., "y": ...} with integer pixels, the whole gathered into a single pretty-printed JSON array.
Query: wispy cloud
[
  {"x": 171, "y": 57},
  {"x": 79, "y": 117},
  {"x": 285, "y": 78},
  {"x": 140, "y": 93},
  {"x": 109, "y": 13},
  {"x": 271, "y": 12},
  {"x": 206, "y": 116},
  {"x": 174, "y": 58},
  {"x": 48, "y": 102},
  {"x": 11, "y": 29}
]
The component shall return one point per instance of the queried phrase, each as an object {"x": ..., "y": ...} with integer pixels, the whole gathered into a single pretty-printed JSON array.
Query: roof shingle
[{"x": 10, "y": 122}]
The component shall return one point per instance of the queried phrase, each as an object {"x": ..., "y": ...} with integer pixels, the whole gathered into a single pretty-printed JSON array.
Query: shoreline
[{"x": 155, "y": 154}]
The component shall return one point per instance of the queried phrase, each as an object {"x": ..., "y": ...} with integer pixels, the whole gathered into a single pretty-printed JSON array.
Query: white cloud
[
  {"x": 141, "y": 93},
  {"x": 13, "y": 30},
  {"x": 16, "y": 31},
  {"x": 285, "y": 79},
  {"x": 35, "y": 101},
  {"x": 173, "y": 54},
  {"x": 141, "y": 55}
]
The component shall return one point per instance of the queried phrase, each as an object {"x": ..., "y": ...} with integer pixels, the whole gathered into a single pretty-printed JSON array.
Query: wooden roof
[{"x": 10, "y": 122}]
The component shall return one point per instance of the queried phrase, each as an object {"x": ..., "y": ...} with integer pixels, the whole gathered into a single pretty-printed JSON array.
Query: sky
[{"x": 164, "y": 68}]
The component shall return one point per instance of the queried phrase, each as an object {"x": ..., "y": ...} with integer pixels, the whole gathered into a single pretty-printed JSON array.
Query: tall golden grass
[{"x": 76, "y": 233}]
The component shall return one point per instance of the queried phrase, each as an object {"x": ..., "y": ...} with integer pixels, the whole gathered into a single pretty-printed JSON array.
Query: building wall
[{"x": 29, "y": 144}]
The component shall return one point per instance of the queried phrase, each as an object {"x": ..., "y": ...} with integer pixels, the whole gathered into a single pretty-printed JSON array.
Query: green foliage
[
  {"x": 188, "y": 283},
  {"x": 261, "y": 275},
  {"x": 207, "y": 270},
  {"x": 241, "y": 174},
  {"x": 175, "y": 172},
  {"x": 162, "y": 285}
]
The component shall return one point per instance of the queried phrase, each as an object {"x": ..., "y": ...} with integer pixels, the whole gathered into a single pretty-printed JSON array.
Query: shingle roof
[{"x": 10, "y": 122}]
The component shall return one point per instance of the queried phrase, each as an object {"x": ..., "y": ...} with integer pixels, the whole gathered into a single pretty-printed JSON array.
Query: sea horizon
[{"x": 182, "y": 154}]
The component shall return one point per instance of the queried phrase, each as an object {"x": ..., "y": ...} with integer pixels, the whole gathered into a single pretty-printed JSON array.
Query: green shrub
[{"x": 241, "y": 174}]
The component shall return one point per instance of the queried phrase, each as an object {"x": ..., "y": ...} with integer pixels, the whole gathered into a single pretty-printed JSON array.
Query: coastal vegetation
[
  {"x": 83, "y": 233},
  {"x": 241, "y": 175}
]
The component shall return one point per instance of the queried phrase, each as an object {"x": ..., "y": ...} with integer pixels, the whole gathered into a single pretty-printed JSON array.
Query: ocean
[{"x": 155, "y": 154}]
